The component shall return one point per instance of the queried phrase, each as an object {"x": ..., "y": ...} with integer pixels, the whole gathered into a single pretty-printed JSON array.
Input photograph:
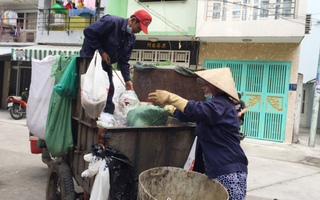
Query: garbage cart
[{"x": 146, "y": 147}]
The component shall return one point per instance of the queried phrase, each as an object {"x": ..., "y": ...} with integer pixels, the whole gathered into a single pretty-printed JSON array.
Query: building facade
[
  {"x": 260, "y": 41},
  {"x": 309, "y": 60},
  {"x": 61, "y": 30},
  {"x": 17, "y": 29}
]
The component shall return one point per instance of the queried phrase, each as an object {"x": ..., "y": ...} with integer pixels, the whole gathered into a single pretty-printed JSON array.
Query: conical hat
[{"x": 222, "y": 79}]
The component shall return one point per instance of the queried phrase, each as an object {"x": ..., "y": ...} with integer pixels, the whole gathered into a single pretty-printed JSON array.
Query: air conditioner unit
[
  {"x": 308, "y": 24},
  {"x": 56, "y": 20}
]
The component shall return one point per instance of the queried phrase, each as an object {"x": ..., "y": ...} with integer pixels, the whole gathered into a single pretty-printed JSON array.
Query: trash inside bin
[{"x": 164, "y": 183}]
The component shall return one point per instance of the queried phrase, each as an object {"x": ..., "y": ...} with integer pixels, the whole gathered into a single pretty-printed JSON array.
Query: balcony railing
[
  {"x": 22, "y": 30},
  {"x": 245, "y": 10},
  {"x": 60, "y": 19}
]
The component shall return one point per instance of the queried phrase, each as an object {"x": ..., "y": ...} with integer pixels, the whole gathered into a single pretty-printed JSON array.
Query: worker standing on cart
[
  {"x": 218, "y": 151},
  {"x": 114, "y": 37}
]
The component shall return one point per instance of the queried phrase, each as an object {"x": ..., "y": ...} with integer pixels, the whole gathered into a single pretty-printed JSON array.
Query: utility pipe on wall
[
  {"x": 315, "y": 108},
  {"x": 297, "y": 112}
]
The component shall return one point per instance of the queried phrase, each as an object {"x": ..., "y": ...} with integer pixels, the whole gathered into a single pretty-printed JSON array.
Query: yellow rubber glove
[
  {"x": 162, "y": 97},
  {"x": 171, "y": 109}
]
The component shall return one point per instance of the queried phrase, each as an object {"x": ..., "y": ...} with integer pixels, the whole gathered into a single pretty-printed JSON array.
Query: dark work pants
[{"x": 109, "y": 105}]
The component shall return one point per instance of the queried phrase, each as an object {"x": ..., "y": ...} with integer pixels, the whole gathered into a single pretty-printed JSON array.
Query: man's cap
[
  {"x": 220, "y": 78},
  {"x": 145, "y": 19}
]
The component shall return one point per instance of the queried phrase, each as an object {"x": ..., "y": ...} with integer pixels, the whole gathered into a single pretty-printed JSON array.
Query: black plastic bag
[
  {"x": 97, "y": 150},
  {"x": 122, "y": 175}
]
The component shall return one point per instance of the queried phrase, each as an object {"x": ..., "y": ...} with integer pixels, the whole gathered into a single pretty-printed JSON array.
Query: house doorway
[
  {"x": 20, "y": 78},
  {"x": 304, "y": 107}
]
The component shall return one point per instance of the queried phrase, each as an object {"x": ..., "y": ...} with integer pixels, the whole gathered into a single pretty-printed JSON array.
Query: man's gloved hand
[
  {"x": 171, "y": 109},
  {"x": 162, "y": 97}
]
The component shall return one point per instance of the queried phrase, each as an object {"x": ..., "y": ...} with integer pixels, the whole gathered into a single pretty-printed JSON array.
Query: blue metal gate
[{"x": 264, "y": 86}]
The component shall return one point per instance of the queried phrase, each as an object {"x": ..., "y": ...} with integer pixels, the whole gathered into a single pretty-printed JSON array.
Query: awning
[{"x": 41, "y": 51}]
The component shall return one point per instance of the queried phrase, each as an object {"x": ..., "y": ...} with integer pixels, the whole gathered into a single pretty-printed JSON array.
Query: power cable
[
  {"x": 164, "y": 11},
  {"x": 302, "y": 17},
  {"x": 257, "y": 8}
]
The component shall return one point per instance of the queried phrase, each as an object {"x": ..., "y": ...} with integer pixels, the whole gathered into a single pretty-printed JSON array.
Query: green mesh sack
[
  {"x": 147, "y": 116},
  {"x": 58, "y": 135}
]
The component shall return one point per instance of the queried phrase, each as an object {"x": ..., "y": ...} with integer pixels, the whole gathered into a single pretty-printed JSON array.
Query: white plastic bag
[
  {"x": 101, "y": 186},
  {"x": 94, "y": 165},
  {"x": 108, "y": 120},
  {"x": 95, "y": 87},
  {"x": 128, "y": 100},
  {"x": 39, "y": 95},
  {"x": 118, "y": 87},
  {"x": 192, "y": 155}
]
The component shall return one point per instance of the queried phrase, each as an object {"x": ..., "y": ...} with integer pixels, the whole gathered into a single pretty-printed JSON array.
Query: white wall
[
  {"x": 181, "y": 13},
  {"x": 250, "y": 28},
  {"x": 59, "y": 37},
  {"x": 310, "y": 45}
]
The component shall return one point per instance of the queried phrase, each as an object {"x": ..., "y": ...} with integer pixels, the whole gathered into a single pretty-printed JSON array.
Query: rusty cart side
[{"x": 146, "y": 147}]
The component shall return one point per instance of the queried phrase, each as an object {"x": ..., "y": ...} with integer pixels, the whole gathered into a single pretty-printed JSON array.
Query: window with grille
[
  {"x": 31, "y": 20},
  {"x": 228, "y": 10},
  {"x": 216, "y": 11},
  {"x": 236, "y": 12},
  {"x": 264, "y": 9},
  {"x": 28, "y": 20},
  {"x": 287, "y": 4},
  {"x": 255, "y": 13},
  {"x": 181, "y": 58},
  {"x": 244, "y": 11}
]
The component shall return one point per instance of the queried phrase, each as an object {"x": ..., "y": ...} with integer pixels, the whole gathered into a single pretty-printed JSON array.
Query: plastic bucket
[{"x": 171, "y": 183}]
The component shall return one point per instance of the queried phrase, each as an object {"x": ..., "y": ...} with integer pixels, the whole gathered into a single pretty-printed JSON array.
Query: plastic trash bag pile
[
  {"x": 115, "y": 174},
  {"x": 129, "y": 111}
]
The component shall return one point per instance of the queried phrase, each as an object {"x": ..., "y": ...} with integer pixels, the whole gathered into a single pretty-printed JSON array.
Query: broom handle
[{"x": 119, "y": 77}]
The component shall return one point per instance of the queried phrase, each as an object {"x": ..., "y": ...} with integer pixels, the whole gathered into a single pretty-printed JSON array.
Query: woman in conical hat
[{"x": 218, "y": 152}]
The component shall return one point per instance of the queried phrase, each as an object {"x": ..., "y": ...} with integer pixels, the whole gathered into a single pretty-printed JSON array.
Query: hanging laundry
[
  {"x": 10, "y": 18},
  {"x": 65, "y": 2},
  {"x": 16, "y": 32},
  {"x": 68, "y": 6},
  {"x": 60, "y": 2},
  {"x": 91, "y": 4},
  {"x": 83, "y": 12},
  {"x": 80, "y": 4},
  {"x": 75, "y": 3}
]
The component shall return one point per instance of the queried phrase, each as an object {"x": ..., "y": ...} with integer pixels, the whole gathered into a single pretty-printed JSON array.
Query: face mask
[
  {"x": 129, "y": 29},
  {"x": 208, "y": 96}
]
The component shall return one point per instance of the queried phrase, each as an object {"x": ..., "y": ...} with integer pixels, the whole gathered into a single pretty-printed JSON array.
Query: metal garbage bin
[{"x": 171, "y": 183}]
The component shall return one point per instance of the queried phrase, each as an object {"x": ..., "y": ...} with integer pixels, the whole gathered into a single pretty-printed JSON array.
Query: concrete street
[
  {"x": 22, "y": 174},
  {"x": 283, "y": 171},
  {"x": 276, "y": 171}
]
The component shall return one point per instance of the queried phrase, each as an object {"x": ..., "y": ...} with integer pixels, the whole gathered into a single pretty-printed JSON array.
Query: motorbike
[
  {"x": 241, "y": 134},
  {"x": 17, "y": 105}
]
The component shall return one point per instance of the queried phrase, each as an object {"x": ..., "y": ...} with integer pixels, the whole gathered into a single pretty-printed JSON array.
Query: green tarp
[{"x": 179, "y": 69}]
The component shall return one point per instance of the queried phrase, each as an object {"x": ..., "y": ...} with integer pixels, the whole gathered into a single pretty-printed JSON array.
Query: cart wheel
[{"x": 60, "y": 183}]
